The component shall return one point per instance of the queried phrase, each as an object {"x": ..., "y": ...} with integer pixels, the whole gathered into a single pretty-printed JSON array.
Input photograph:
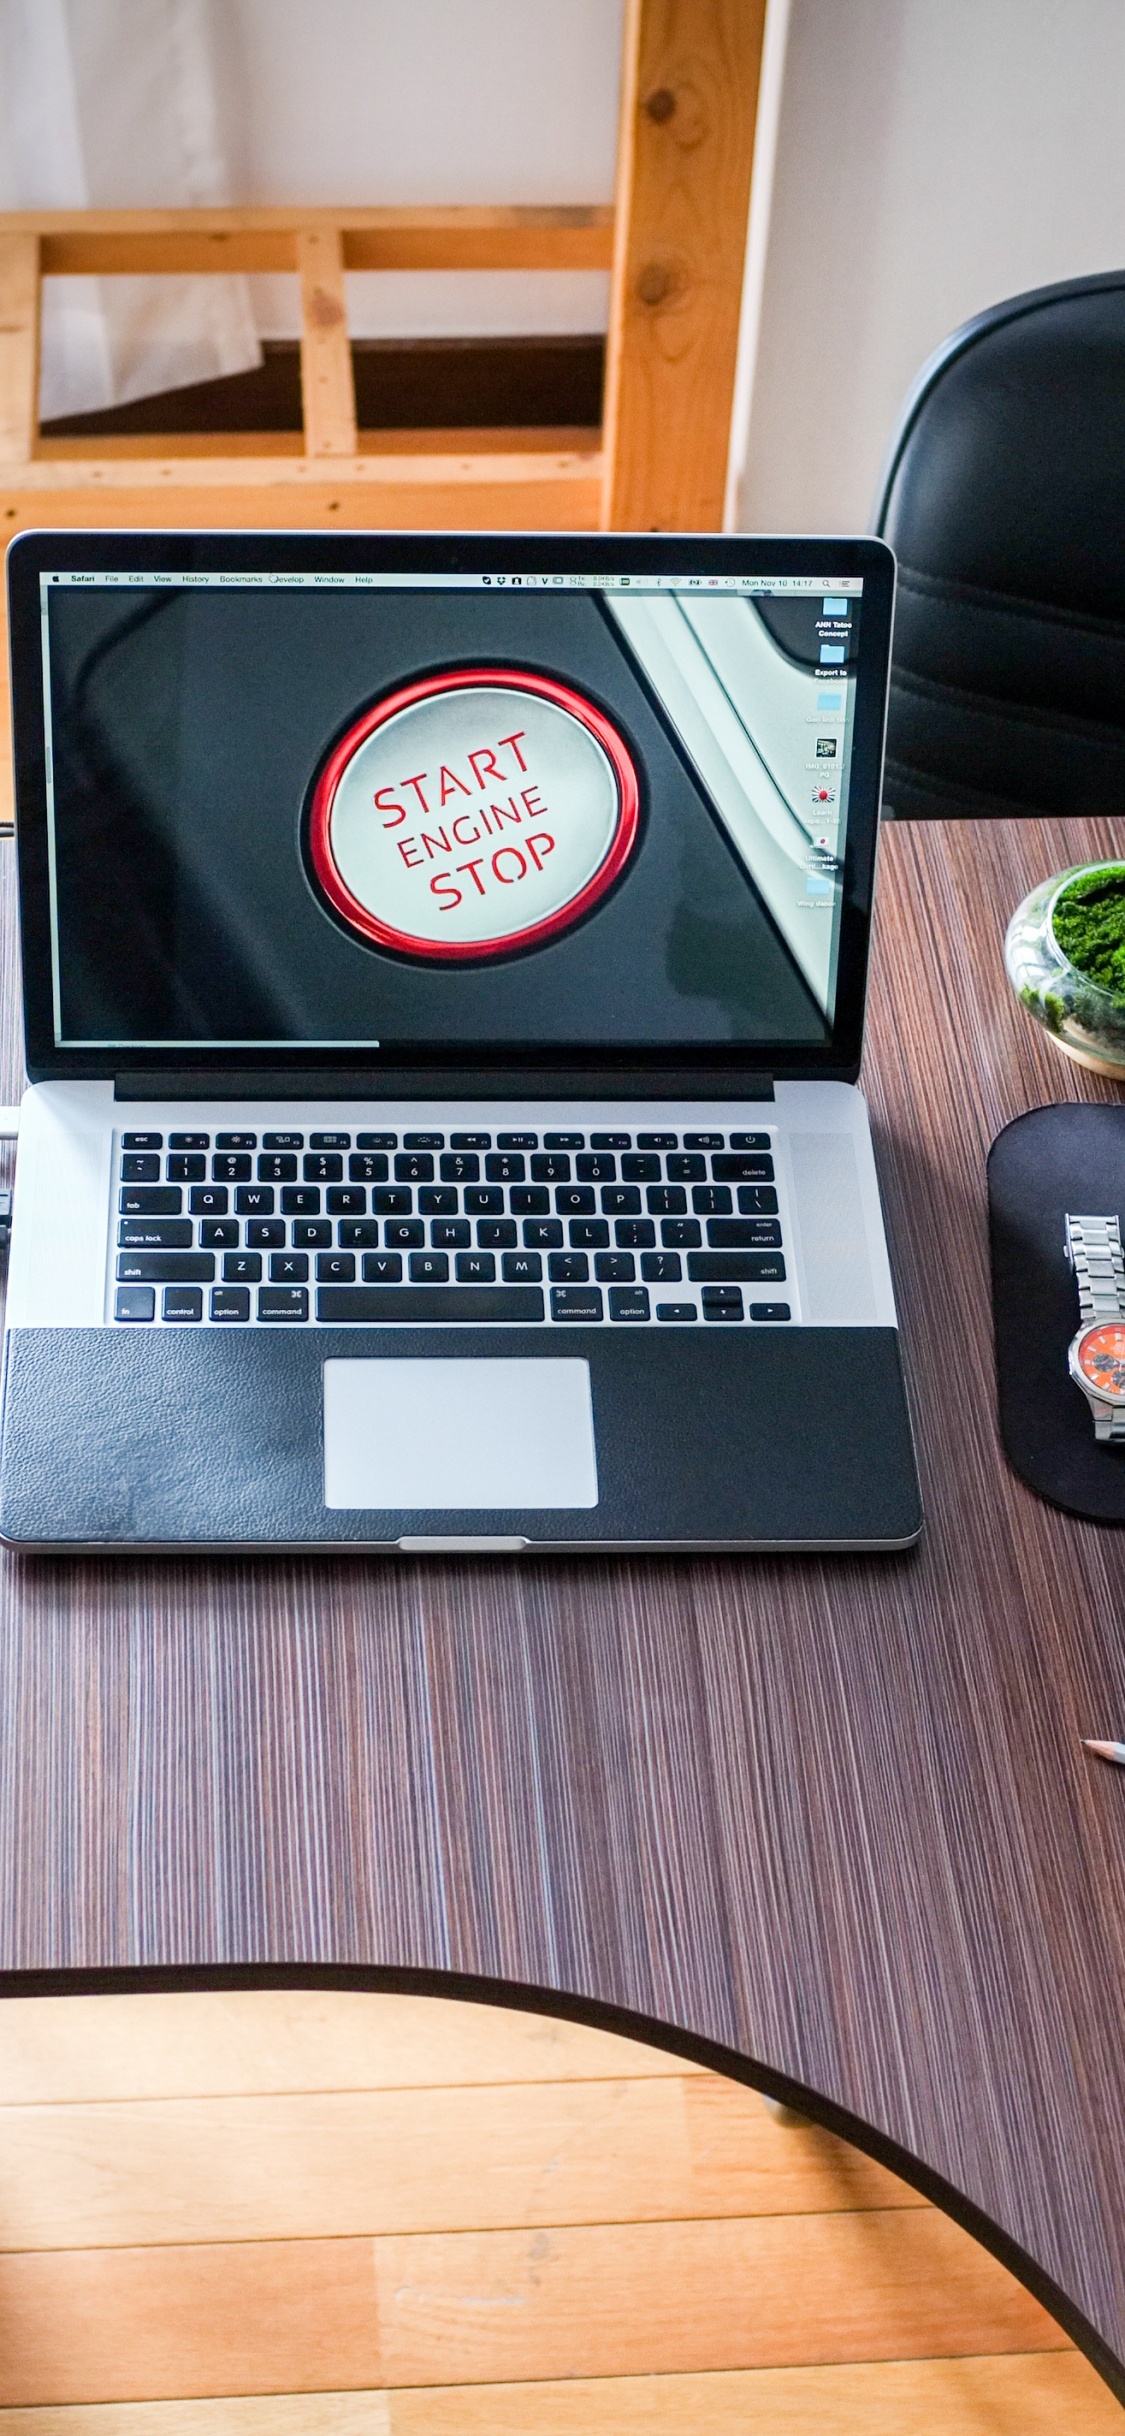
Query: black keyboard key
[
  {"x": 475, "y": 1268},
  {"x": 564, "y": 1141},
  {"x": 611, "y": 1141},
  {"x": 404, "y": 1234},
  {"x": 621, "y": 1200},
  {"x": 423, "y": 1141},
  {"x": 242, "y": 1268},
  {"x": 209, "y": 1200},
  {"x": 637, "y": 1169},
  {"x": 459, "y": 1167},
  {"x": 438, "y": 1201},
  {"x": 283, "y": 1141},
  {"x": 576, "y": 1303},
  {"x": 277, "y": 1167},
  {"x": 741, "y": 1167},
  {"x": 749, "y": 1141},
  {"x": 155, "y": 1234},
  {"x": 517, "y": 1141},
  {"x": 330, "y": 1141},
  {"x": 681, "y": 1234},
  {"x": 289, "y": 1268},
  {"x": 135, "y": 1303},
  {"x": 568, "y": 1268},
  {"x": 685, "y": 1168},
  {"x": 665, "y": 1200},
  {"x": 757, "y": 1200},
  {"x": 236, "y": 1141},
  {"x": 142, "y": 1141},
  {"x": 189, "y": 1141},
  {"x": 182, "y": 1303},
  {"x": 368, "y": 1167},
  {"x": 322, "y": 1167},
  {"x": 628, "y": 1303},
  {"x": 505, "y": 1167},
  {"x": 346, "y": 1200},
  {"x": 376, "y": 1141},
  {"x": 230, "y": 1166},
  {"x": 575, "y": 1200},
  {"x": 596, "y": 1167},
  {"x": 529, "y": 1200},
  {"x": 737, "y": 1268},
  {"x": 588, "y": 1234},
  {"x": 615, "y": 1268},
  {"x": 219, "y": 1234},
  {"x": 301, "y": 1200},
  {"x": 676, "y": 1311},
  {"x": 770, "y": 1311},
  {"x": 164, "y": 1268},
  {"x": 285, "y": 1302},
  {"x": 484, "y": 1200},
  {"x": 450, "y": 1234},
  {"x": 140, "y": 1167},
  {"x": 721, "y": 1304},
  {"x": 414, "y": 1167},
  {"x": 443, "y": 1305},
  {"x": 542, "y": 1234},
  {"x": 498, "y": 1234},
  {"x": 551, "y": 1167},
  {"x": 266, "y": 1234},
  {"x": 635, "y": 1234},
  {"x": 313, "y": 1234},
  {"x": 657, "y": 1141},
  {"x": 470, "y": 1141},
  {"x": 335, "y": 1268},
  {"x": 391, "y": 1200},
  {"x": 429, "y": 1268},
  {"x": 662, "y": 1268},
  {"x": 230, "y": 1302},
  {"x": 254, "y": 1200},
  {"x": 150, "y": 1200},
  {"x": 382, "y": 1268},
  {"x": 522, "y": 1268},
  {"x": 712, "y": 1200},
  {"x": 180, "y": 1167},
  {"x": 743, "y": 1234},
  {"x": 703, "y": 1141}
]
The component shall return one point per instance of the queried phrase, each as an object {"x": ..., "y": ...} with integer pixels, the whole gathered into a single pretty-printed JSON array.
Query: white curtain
[{"x": 114, "y": 103}]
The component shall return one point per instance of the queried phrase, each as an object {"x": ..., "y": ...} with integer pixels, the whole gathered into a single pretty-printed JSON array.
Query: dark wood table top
[{"x": 828, "y": 1822}]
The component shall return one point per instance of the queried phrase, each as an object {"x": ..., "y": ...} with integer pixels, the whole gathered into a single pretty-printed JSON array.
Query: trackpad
[{"x": 445, "y": 1435}]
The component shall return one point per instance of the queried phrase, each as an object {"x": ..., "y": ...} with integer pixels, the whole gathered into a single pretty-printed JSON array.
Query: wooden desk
[{"x": 826, "y": 1823}]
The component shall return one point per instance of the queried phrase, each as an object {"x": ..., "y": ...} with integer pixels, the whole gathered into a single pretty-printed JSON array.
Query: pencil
[{"x": 1114, "y": 1751}]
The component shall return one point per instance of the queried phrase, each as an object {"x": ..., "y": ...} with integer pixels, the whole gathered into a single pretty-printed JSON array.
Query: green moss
[{"x": 1089, "y": 926}]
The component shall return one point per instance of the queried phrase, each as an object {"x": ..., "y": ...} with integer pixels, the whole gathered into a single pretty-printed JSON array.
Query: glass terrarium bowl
[{"x": 1084, "y": 1020}]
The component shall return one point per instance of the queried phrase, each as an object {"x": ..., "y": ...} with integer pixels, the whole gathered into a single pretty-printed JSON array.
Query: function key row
[{"x": 437, "y": 1141}]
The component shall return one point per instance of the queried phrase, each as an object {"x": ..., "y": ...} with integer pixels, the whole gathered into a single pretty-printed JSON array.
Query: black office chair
[{"x": 1004, "y": 499}]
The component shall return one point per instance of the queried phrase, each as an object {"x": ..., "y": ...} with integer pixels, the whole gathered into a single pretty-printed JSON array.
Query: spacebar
[{"x": 440, "y": 1304}]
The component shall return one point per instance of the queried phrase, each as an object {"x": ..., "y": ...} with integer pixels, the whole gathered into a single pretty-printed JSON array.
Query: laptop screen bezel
[{"x": 721, "y": 1067}]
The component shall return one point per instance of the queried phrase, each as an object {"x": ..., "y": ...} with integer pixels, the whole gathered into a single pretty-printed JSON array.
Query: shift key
[{"x": 165, "y": 1268}]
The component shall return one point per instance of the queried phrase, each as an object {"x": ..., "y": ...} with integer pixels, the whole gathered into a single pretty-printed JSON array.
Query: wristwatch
[{"x": 1097, "y": 1354}]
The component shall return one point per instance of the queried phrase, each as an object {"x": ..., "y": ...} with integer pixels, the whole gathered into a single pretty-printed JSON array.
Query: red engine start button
[{"x": 473, "y": 814}]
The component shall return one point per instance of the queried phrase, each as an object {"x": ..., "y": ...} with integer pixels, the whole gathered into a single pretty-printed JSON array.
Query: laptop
[{"x": 444, "y": 961}]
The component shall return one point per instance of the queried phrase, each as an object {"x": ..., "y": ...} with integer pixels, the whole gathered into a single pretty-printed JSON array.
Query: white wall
[
  {"x": 934, "y": 156},
  {"x": 425, "y": 101}
]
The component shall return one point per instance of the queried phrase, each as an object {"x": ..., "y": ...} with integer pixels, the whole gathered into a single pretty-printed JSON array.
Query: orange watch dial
[{"x": 1101, "y": 1358}]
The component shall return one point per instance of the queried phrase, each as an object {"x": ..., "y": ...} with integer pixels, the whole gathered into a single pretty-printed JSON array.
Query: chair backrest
[{"x": 1004, "y": 499}]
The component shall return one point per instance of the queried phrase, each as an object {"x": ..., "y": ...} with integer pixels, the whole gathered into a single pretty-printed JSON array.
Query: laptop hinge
[{"x": 694, "y": 1082}]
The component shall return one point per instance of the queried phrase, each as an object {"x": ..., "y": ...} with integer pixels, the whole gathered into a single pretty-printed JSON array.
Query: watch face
[{"x": 1100, "y": 1355}]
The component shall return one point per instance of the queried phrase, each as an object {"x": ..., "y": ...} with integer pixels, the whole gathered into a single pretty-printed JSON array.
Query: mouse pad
[{"x": 1046, "y": 1163}]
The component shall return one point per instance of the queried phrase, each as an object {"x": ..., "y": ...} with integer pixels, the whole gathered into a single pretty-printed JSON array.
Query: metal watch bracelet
[{"x": 1095, "y": 1253}]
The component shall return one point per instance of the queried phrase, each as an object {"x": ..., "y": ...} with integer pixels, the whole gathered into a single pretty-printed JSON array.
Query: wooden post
[
  {"x": 19, "y": 346},
  {"x": 688, "y": 109},
  {"x": 327, "y": 385}
]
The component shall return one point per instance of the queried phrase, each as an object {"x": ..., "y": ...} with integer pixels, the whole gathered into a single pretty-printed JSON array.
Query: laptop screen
[{"x": 510, "y": 809}]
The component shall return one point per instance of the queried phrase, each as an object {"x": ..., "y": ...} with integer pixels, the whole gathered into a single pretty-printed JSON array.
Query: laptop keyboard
[{"x": 620, "y": 1228}]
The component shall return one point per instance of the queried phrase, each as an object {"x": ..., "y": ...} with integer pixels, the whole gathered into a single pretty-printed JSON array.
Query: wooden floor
[{"x": 343, "y": 2215}]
